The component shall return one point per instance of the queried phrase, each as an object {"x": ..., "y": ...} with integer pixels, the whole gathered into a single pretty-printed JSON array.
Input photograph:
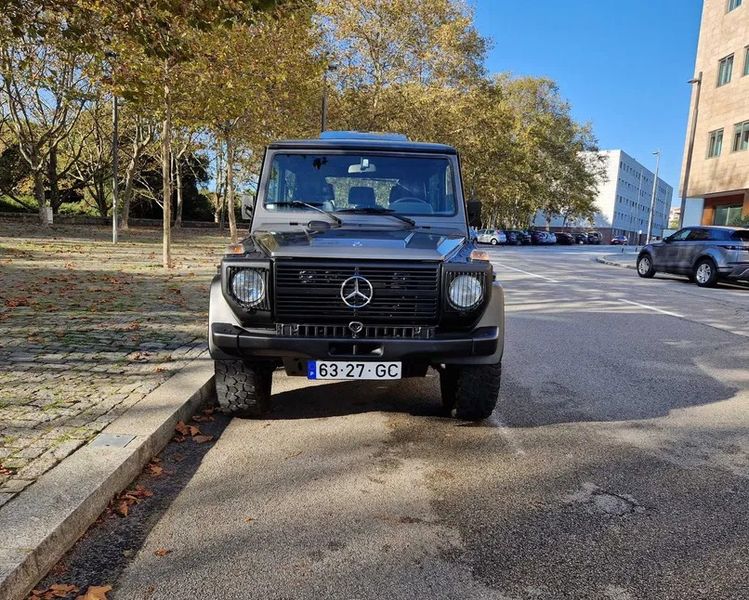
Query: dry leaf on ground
[
  {"x": 96, "y": 592},
  {"x": 162, "y": 552}
]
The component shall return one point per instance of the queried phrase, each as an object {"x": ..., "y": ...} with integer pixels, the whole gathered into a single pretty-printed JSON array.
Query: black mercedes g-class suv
[{"x": 358, "y": 265}]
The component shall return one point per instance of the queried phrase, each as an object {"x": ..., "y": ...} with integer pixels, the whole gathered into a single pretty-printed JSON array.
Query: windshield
[{"x": 405, "y": 185}]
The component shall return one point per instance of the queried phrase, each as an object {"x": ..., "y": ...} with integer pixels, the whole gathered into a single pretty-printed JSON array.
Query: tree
[{"x": 44, "y": 88}]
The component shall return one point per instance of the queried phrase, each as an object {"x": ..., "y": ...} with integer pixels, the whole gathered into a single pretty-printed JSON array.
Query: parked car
[
  {"x": 492, "y": 236},
  {"x": 366, "y": 291},
  {"x": 581, "y": 238},
  {"x": 525, "y": 238},
  {"x": 542, "y": 238},
  {"x": 594, "y": 237},
  {"x": 619, "y": 240},
  {"x": 704, "y": 254},
  {"x": 514, "y": 237},
  {"x": 565, "y": 239}
]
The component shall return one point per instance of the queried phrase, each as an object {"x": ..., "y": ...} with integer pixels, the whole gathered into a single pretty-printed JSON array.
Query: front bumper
[{"x": 480, "y": 346}]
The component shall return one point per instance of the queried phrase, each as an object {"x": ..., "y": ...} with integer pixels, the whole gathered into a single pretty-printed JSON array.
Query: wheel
[
  {"x": 243, "y": 389},
  {"x": 705, "y": 273},
  {"x": 645, "y": 266},
  {"x": 494, "y": 241},
  {"x": 470, "y": 392}
]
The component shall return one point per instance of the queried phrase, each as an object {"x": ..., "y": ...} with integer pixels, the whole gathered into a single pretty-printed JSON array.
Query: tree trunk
[
  {"x": 54, "y": 187},
  {"x": 178, "y": 180},
  {"x": 230, "y": 188},
  {"x": 166, "y": 153},
  {"x": 39, "y": 195}
]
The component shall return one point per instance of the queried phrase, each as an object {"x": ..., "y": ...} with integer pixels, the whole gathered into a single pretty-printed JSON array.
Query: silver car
[
  {"x": 491, "y": 236},
  {"x": 704, "y": 254}
]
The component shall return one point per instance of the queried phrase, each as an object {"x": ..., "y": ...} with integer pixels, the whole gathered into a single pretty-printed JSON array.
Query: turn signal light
[
  {"x": 482, "y": 255},
  {"x": 237, "y": 248}
]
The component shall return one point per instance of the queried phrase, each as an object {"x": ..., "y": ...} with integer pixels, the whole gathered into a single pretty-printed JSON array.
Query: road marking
[
  {"x": 526, "y": 272},
  {"x": 664, "y": 312}
]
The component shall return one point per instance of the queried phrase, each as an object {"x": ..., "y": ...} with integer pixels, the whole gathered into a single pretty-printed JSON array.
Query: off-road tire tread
[
  {"x": 471, "y": 391},
  {"x": 243, "y": 389}
]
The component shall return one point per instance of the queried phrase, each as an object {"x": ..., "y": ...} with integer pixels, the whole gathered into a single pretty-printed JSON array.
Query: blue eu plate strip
[{"x": 311, "y": 370}]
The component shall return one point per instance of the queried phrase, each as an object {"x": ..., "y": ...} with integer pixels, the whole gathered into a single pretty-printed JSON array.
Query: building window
[
  {"x": 725, "y": 70},
  {"x": 715, "y": 144},
  {"x": 727, "y": 215},
  {"x": 741, "y": 137},
  {"x": 746, "y": 61},
  {"x": 732, "y": 4}
]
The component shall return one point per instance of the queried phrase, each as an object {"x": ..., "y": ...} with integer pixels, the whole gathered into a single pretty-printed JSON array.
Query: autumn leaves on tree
[{"x": 221, "y": 78}]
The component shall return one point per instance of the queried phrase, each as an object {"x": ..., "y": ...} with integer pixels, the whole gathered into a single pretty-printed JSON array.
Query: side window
[
  {"x": 698, "y": 235},
  {"x": 719, "y": 235},
  {"x": 680, "y": 235}
]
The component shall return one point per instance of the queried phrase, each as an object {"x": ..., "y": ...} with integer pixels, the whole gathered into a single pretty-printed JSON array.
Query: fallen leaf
[
  {"x": 249, "y": 519},
  {"x": 123, "y": 508},
  {"x": 193, "y": 430},
  {"x": 155, "y": 470},
  {"x": 162, "y": 552},
  {"x": 181, "y": 428},
  {"x": 96, "y": 592},
  {"x": 202, "y": 439},
  {"x": 179, "y": 439}
]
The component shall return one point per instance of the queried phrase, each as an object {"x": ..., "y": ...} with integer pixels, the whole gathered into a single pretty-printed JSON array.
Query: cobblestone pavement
[{"x": 87, "y": 329}]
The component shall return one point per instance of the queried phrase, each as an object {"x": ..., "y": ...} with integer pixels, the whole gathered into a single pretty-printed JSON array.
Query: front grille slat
[
  {"x": 309, "y": 292},
  {"x": 371, "y": 332}
]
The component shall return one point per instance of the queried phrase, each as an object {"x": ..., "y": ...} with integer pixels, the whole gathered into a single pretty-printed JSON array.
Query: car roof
[
  {"x": 723, "y": 227},
  {"x": 354, "y": 140}
]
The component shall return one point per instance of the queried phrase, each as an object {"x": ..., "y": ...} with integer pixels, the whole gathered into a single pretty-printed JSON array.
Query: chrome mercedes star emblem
[{"x": 356, "y": 292}]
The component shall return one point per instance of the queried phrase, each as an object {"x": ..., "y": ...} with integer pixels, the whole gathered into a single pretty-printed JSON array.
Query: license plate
[{"x": 328, "y": 369}]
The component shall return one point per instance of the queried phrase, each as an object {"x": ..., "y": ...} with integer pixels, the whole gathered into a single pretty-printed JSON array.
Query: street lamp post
[
  {"x": 690, "y": 147},
  {"x": 652, "y": 200},
  {"x": 115, "y": 166},
  {"x": 111, "y": 56}
]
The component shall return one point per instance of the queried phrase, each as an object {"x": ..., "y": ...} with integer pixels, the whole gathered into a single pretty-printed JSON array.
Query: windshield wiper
[
  {"x": 378, "y": 210},
  {"x": 300, "y": 204}
]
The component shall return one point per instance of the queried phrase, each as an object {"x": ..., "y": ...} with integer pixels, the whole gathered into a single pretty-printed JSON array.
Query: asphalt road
[{"x": 615, "y": 467}]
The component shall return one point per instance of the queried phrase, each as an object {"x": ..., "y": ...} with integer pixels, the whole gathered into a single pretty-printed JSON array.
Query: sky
[{"x": 623, "y": 66}]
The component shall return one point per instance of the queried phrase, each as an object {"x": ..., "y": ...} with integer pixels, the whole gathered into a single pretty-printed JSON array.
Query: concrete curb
[
  {"x": 44, "y": 521},
  {"x": 603, "y": 260}
]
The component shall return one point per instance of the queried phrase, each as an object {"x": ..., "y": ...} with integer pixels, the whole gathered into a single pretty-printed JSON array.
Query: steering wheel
[{"x": 411, "y": 199}]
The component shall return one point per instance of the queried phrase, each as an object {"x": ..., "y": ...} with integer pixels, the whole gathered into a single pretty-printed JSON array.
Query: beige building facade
[{"x": 718, "y": 188}]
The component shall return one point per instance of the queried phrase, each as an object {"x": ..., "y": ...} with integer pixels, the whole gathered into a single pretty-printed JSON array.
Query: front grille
[
  {"x": 369, "y": 332},
  {"x": 401, "y": 294}
]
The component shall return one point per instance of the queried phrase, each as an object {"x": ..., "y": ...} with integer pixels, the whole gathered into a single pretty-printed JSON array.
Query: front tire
[
  {"x": 494, "y": 241},
  {"x": 645, "y": 266},
  {"x": 706, "y": 273},
  {"x": 470, "y": 392},
  {"x": 243, "y": 389}
]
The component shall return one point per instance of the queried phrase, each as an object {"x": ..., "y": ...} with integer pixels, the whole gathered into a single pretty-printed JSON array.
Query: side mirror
[
  {"x": 473, "y": 208},
  {"x": 248, "y": 205}
]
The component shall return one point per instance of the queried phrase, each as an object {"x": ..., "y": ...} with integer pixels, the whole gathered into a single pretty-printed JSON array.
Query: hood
[{"x": 360, "y": 244}]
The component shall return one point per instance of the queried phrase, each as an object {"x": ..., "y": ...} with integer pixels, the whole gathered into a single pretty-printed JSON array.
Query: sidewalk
[
  {"x": 88, "y": 329},
  {"x": 625, "y": 259}
]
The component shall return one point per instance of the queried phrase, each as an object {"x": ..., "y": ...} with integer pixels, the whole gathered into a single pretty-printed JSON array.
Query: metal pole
[
  {"x": 690, "y": 148},
  {"x": 652, "y": 200},
  {"x": 115, "y": 166}
]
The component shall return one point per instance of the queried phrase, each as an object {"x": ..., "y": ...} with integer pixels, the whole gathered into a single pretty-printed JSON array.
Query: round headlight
[
  {"x": 248, "y": 286},
  {"x": 466, "y": 291}
]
